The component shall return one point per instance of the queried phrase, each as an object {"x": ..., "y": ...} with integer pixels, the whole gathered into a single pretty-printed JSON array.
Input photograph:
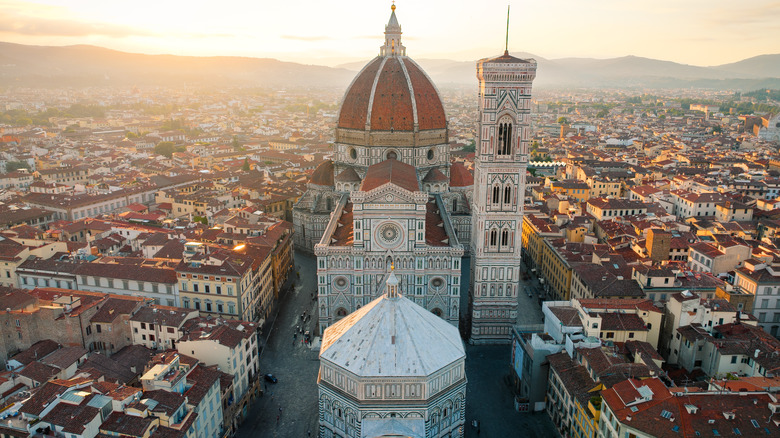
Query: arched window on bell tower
[
  {"x": 493, "y": 237},
  {"x": 504, "y": 238},
  {"x": 504, "y": 146},
  {"x": 496, "y": 194},
  {"x": 508, "y": 194}
]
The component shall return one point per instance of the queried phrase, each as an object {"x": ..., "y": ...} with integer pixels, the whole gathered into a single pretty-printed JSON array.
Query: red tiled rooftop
[
  {"x": 394, "y": 171},
  {"x": 460, "y": 176},
  {"x": 354, "y": 107},
  {"x": 435, "y": 235},
  {"x": 323, "y": 174}
]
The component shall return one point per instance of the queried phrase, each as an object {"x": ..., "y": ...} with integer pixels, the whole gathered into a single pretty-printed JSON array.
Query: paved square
[{"x": 489, "y": 397}]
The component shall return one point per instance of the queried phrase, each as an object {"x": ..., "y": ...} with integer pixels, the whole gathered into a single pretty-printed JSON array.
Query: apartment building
[
  {"x": 762, "y": 280},
  {"x": 159, "y": 327},
  {"x": 231, "y": 345}
]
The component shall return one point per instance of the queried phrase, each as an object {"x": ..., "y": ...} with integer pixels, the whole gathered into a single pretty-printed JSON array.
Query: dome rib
[
  {"x": 411, "y": 93},
  {"x": 373, "y": 93},
  {"x": 392, "y": 92},
  {"x": 398, "y": 339},
  {"x": 355, "y": 106},
  {"x": 428, "y": 102},
  {"x": 391, "y": 108}
]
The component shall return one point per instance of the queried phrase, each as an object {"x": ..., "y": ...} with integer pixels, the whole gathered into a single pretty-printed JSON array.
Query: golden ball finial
[{"x": 393, "y": 7}]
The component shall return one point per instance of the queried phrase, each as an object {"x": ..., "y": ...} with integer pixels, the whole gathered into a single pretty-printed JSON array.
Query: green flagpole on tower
[{"x": 506, "y": 47}]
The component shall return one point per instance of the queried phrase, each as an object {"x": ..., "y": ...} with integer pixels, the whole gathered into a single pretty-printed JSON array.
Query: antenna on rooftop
[{"x": 506, "y": 46}]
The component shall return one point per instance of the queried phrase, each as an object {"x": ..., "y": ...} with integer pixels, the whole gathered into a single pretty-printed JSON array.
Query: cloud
[
  {"x": 306, "y": 38},
  {"x": 741, "y": 15},
  {"x": 329, "y": 38},
  {"x": 22, "y": 24}
]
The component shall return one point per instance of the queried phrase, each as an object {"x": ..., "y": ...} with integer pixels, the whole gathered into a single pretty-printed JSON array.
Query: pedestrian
[
  {"x": 277, "y": 420},
  {"x": 308, "y": 432}
]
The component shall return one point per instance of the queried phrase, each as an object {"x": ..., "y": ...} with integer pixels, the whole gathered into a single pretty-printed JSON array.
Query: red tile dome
[
  {"x": 460, "y": 176},
  {"x": 392, "y": 93},
  {"x": 323, "y": 174}
]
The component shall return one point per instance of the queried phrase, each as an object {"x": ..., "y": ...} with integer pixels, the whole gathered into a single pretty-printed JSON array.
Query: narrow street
[{"x": 293, "y": 363}]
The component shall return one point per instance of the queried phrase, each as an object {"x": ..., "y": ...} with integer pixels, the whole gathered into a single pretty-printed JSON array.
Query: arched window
[
  {"x": 455, "y": 204},
  {"x": 505, "y": 238},
  {"x": 329, "y": 204},
  {"x": 504, "y": 146},
  {"x": 507, "y": 194},
  {"x": 495, "y": 194},
  {"x": 493, "y": 237}
]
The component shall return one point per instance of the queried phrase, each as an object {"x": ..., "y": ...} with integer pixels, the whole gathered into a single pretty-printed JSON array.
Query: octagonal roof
[{"x": 392, "y": 337}]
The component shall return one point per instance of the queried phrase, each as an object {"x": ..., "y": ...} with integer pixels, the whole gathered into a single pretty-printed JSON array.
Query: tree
[
  {"x": 12, "y": 166},
  {"x": 237, "y": 145},
  {"x": 131, "y": 135},
  {"x": 603, "y": 113},
  {"x": 563, "y": 121},
  {"x": 471, "y": 147},
  {"x": 246, "y": 167},
  {"x": 164, "y": 148}
]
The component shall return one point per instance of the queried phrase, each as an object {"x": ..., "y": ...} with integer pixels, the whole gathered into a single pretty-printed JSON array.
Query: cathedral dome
[
  {"x": 392, "y": 102},
  {"x": 392, "y": 93}
]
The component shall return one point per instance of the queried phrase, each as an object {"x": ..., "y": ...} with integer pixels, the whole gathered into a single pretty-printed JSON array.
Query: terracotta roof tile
[
  {"x": 354, "y": 107},
  {"x": 435, "y": 175},
  {"x": 401, "y": 174},
  {"x": 430, "y": 111},
  {"x": 348, "y": 175},
  {"x": 323, "y": 174},
  {"x": 392, "y": 105},
  {"x": 460, "y": 176}
]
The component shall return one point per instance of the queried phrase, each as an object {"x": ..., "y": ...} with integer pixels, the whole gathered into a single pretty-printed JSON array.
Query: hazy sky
[{"x": 695, "y": 32}]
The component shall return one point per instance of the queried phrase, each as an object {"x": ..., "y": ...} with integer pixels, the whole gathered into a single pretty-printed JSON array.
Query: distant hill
[
  {"x": 627, "y": 71},
  {"x": 89, "y": 66},
  {"x": 765, "y": 66}
]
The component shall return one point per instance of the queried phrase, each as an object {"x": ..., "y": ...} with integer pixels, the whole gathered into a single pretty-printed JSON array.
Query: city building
[
  {"x": 762, "y": 281},
  {"x": 232, "y": 346}
]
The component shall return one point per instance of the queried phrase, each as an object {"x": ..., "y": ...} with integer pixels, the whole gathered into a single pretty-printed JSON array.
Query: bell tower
[{"x": 500, "y": 164}]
